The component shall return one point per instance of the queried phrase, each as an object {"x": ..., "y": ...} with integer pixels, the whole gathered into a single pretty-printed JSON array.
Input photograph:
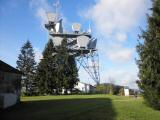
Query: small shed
[
  {"x": 10, "y": 85},
  {"x": 126, "y": 91}
]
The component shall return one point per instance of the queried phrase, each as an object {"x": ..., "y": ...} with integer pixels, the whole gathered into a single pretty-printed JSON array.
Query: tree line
[{"x": 54, "y": 74}]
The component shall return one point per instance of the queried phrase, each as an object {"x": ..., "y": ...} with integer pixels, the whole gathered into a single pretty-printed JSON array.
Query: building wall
[
  {"x": 9, "y": 82},
  {"x": 10, "y": 85},
  {"x": 83, "y": 87},
  {"x": 8, "y": 99}
]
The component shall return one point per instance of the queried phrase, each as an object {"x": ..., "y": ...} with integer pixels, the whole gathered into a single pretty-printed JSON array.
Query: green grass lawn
[{"x": 80, "y": 107}]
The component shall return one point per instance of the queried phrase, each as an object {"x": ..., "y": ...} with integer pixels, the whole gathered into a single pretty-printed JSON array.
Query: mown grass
[{"x": 80, "y": 107}]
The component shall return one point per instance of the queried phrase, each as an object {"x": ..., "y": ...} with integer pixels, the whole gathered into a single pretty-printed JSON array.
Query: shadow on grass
[{"x": 61, "y": 109}]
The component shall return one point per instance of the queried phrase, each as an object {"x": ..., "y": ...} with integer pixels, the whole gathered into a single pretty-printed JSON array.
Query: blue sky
[{"x": 115, "y": 23}]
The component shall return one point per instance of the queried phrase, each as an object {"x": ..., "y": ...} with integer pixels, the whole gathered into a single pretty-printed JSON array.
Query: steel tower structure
[{"x": 80, "y": 44}]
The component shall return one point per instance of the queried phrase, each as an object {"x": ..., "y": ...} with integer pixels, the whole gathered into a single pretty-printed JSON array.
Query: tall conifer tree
[
  {"x": 27, "y": 65},
  {"x": 46, "y": 71},
  {"x": 68, "y": 70},
  {"x": 149, "y": 62},
  {"x": 56, "y": 71}
]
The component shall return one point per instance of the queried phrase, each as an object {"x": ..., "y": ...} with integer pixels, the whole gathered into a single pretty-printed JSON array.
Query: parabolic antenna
[
  {"x": 57, "y": 27},
  {"x": 76, "y": 27},
  {"x": 92, "y": 44},
  {"x": 52, "y": 17},
  {"x": 83, "y": 41},
  {"x": 57, "y": 40}
]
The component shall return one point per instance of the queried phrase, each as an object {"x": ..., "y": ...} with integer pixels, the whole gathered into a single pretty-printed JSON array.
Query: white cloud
[
  {"x": 114, "y": 19},
  {"x": 121, "y": 37},
  {"x": 112, "y": 16},
  {"x": 117, "y": 53},
  {"x": 38, "y": 55},
  {"x": 41, "y": 7},
  {"x": 41, "y": 13}
]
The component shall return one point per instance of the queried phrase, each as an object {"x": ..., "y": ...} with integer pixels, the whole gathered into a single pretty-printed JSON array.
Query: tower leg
[{"x": 90, "y": 63}]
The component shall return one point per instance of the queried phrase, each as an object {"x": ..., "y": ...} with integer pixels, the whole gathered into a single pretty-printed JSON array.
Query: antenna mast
[{"x": 57, "y": 6}]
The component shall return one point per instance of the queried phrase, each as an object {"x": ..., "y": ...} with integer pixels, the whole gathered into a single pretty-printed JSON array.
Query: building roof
[
  {"x": 86, "y": 84},
  {"x": 4, "y": 67}
]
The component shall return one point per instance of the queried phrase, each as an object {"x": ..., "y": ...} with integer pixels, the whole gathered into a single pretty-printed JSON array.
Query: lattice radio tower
[{"x": 80, "y": 44}]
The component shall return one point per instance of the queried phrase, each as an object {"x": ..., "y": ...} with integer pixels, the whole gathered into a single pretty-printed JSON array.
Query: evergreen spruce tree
[
  {"x": 56, "y": 71},
  {"x": 46, "y": 71},
  {"x": 68, "y": 72},
  {"x": 62, "y": 62},
  {"x": 72, "y": 73},
  {"x": 27, "y": 65},
  {"x": 149, "y": 62}
]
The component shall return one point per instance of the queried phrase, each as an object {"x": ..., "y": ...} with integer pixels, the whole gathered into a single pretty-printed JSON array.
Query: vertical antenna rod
[{"x": 56, "y": 5}]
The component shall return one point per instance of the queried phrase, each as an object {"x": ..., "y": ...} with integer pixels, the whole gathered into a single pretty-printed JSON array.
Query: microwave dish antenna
[{"x": 76, "y": 27}]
